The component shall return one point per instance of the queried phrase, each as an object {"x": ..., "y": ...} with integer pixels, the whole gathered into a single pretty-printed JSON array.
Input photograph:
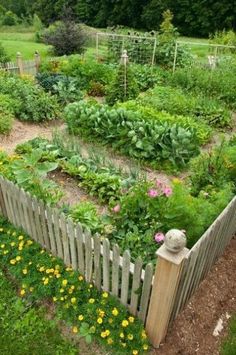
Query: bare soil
[
  {"x": 23, "y": 131},
  {"x": 192, "y": 331}
]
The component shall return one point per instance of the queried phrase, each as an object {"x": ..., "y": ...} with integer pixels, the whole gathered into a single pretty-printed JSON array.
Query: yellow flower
[
  {"x": 122, "y": 335},
  {"x": 58, "y": 276},
  {"x": 90, "y": 286},
  {"x": 30, "y": 262},
  {"x": 107, "y": 332},
  {"x": 70, "y": 291},
  {"x": 135, "y": 352},
  {"x": 145, "y": 347},
  {"x": 101, "y": 313},
  {"x": 31, "y": 289},
  {"x": 80, "y": 278},
  {"x": 81, "y": 317},
  {"x": 45, "y": 282},
  {"x": 6, "y": 252},
  {"x": 75, "y": 330},
  {"x": 12, "y": 261},
  {"x": 22, "y": 292},
  {"x": 18, "y": 258},
  {"x": 99, "y": 320},
  {"x": 13, "y": 244},
  {"x": 125, "y": 323},
  {"x": 1, "y": 229},
  {"x": 42, "y": 268},
  {"x": 103, "y": 334},
  {"x": 54, "y": 299},
  {"x": 64, "y": 282},
  {"x": 130, "y": 336},
  {"x": 20, "y": 237},
  {"x": 29, "y": 242},
  {"x": 109, "y": 341},
  {"x": 91, "y": 300},
  {"x": 144, "y": 335},
  {"x": 73, "y": 300},
  {"x": 24, "y": 271},
  {"x": 2, "y": 246},
  {"x": 72, "y": 287},
  {"x": 110, "y": 320},
  {"x": 69, "y": 269},
  {"x": 131, "y": 319},
  {"x": 62, "y": 290},
  {"x": 105, "y": 295},
  {"x": 48, "y": 271},
  {"x": 62, "y": 298},
  {"x": 115, "y": 312},
  {"x": 57, "y": 267},
  {"x": 42, "y": 251},
  {"x": 123, "y": 344}
]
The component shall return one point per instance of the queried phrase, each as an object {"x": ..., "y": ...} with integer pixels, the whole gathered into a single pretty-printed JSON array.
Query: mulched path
[{"x": 192, "y": 331}]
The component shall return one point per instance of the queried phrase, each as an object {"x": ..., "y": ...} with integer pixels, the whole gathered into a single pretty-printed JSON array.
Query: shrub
[
  {"x": 33, "y": 104},
  {"x": 7, "y": 107},
  {"x": 96, "y": 89},
  {"x": 145, "y": 140},
  {"x": 66, "y": 37},
  {"x": 9, "y": 19}
]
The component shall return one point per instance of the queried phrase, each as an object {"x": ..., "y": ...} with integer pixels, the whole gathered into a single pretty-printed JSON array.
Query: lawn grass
[
  {"x": 229, "y": 345},
  {"x": 25, "y": 330},
  {"x": 21, "y": 41}
]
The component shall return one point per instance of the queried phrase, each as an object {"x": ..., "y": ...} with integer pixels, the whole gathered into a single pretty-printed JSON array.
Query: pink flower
[
  {"x": 153, "y": 193},
  {"x": 116, "y": 209},
  {"x": 167, "y": 191},
  {"x": 159, "y": 237}
]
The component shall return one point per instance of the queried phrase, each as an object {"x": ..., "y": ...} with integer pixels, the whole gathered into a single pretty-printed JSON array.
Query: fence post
[
  {"x": 171, "y": 258},
  {"x": 19, "y": 62},
  {"x": 37, "y": 60}
]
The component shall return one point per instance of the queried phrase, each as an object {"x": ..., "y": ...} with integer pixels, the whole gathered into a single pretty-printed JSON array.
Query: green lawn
[
  {"x": 24, "y": 330},
  {"x": 22, "y": 42}
]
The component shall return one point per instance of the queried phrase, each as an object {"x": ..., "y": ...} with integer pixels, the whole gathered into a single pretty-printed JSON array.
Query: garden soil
[{"x": 213, "y": 304}]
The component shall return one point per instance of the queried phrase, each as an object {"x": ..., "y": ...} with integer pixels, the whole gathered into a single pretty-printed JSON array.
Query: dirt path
[
  {"x": 23, "y": 131},
  {"x": 192, "y": 331}
]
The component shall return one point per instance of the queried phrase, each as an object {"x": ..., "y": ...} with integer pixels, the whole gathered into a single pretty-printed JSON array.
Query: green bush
[
  {"x": 176, "y": 101},
  {"x": 9, "y": 19},
  {"x": 33, "y": 103},
  {"x": 7, "y": 107},
  {"x": 147, "y": 140}
]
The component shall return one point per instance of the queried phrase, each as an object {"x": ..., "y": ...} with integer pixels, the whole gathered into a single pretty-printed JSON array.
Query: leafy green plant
[
  {"x": 33, "y": 103},
  {"x": 6, "y": 120},
  {"x": 228, "y": 346},
  {"x": 145, "y": 140},
  {"x": 86, "y": 214},
  {"x": 4, "y": 58},
  {"x": 176, "y": 101}
]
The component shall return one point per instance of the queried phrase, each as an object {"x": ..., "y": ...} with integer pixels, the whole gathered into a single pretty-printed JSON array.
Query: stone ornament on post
[{"x": 171, "y": 257}]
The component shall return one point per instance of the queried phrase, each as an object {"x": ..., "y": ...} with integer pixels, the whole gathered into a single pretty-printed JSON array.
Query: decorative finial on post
[
  {"x": 124, "y": 57},
  {"x": 175, "y": 240}
]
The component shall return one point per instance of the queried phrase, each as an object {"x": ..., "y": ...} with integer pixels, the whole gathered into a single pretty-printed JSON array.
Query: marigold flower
[
  {"x": 144, "y": 335},
  {"x": 42, "y": 268},
  {"x": 122, "y": 335},
  {"x": 73, "y": 300},
  {"x": 2, "y": 246},
  {"x": 130, "y": 336},
  {"x": 18, "y": 258},
  {"x": 31, "y": 289},
  {"x": 125, "y": 323},
  {"x": 12, "y": 261},
  {"x": 45, "y": 282},
  {"x": 105, "y": 295},
  {"x": 22, "y": 292},
  {"x": 91, "y": 300},
  {"x": 80, "y": 278},
  {"x": 99, "y": 320},
  {"x": 13, "y": 244},
  {"x": 115, "y": 312},
  {"x": 20, "y": 237},
  {"x": 131, "y": 319},
  {"x": 145, "y": 347},
  {"x": 64, "y": 282},
  {"x": 54, "y": 299},
  {"x": 24, "y": 271},
  {"x": 103, "y": 335},
  {"x": 135, "y": 352},
  {"x": 81, "y": 317},
  {"x": 75, "y": 330},
  {"x": 109, "y": 341}
]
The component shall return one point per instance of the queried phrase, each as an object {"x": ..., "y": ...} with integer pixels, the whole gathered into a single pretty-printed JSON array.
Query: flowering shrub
[{"x": 87, "y": 311}]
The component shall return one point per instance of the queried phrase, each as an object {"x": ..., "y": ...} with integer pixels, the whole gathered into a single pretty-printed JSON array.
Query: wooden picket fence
[
  {"x": 156, "y": 298},
  {"x": 94, "y": 257},
  {"x": 22, "y": 67}
]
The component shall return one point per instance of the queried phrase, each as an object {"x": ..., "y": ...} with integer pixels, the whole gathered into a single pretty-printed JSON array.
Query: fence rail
[
  {"x": 156, "y": 298},
  {"x": 94, "y": 257},
  {"x": 22, "y": 67}
]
